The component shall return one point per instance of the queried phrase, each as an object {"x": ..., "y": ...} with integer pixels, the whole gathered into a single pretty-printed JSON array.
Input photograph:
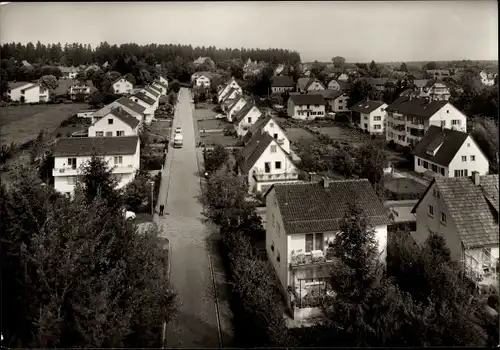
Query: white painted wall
[
  {"x": 334, "y": 85},
  {"x": 299, "y": 112},
  {"x": 34, "y": 95},
  {"x": 368, "y": 122},
  {"x": 118, "y": 125},
  {"x": 122, "y": 86},
  {"x": 287, "y": 167},
  {"x": 232, "y": 84},
  {"x": 149, "y": 112},
  {"x": 252, "y": 116},
  {"x": 161, "y": 89},
  {"x": 446, "y": 114},
  {"x": 419, "y": 166},
  {"x": 339, "y": 104},
  {"x": 202, "y": 81},
  {"x": 277, "y": 133},
  {"x": 316, "y": 86}
]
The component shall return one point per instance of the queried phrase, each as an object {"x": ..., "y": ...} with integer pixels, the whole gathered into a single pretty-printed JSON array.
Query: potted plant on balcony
[{"x": 329, "y": 251}]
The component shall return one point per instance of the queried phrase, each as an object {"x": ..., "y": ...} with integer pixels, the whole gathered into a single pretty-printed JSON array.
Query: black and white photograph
[{"x": 249, "y": 174}]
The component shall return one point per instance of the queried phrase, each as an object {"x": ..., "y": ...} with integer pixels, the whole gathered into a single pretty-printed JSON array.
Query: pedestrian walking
[{"x": 161, "y": 209}]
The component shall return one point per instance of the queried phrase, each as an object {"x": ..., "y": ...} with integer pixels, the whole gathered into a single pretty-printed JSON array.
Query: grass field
[
  {"x": 23, "y": 123},
  {"x": 344, "y": 134},
  {"x": 295, "y": 134},
  {"x": 404, "y": 186},
  {"x": 213, "y": 138},
  {"x": 204, "y": 114}
]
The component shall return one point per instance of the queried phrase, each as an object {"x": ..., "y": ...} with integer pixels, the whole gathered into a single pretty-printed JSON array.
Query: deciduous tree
[{"x": 49, "y": 82}]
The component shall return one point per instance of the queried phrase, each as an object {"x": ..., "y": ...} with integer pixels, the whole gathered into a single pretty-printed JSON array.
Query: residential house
[
  {"x": 87, "y": 114},
  {"x": 281, "y": 84},
  {"x": 160, "y": 87},
  {"x": 203, "y": 80},
  {"x": 69, "y": 72},
  {"x": 163, "y": 80},
  {"x": 370, "y": 116},
  {"x": 343, "y": 77},
  {"x": 202, "y": 60},
  {"x": 309, "y": 84},
  {"x": 231, "y": 84},
  {"x": 336, "y": 101},
  {"x": 264, "y": 163},
  {"x": 408, "y": 118},
  {"x": 253, "y": 68},
  {"x": 438, "y": 73},
  {"x": 302, "y": 220},
  {"x": 436, "y": 90},
  {"x": 131, "y": 107},
  {"x": 230, "y": 96},
  {"x": 269, "y": 125},
  {"x": 122, "y": 86},
  {"x": 487, "y": 79},
  {"x": 335, "y": 85},
  {"x": 463, "y": 210},
  {"x": 26, "y": 92},
  {"x": 117, "y": 122},
  {"x": 121, "y": 153},
  {"x": 151, "y": 93},
  {"x": 235, "y": 106},
  {"x": 91, "y": 68},
  {"x": 150, "y": 105},
  {"x": 306, "y": 107},
  {"x": 245, "y": 118},
  {"x": 449, "y": 153},
  {"x": 80, "y": 88}
]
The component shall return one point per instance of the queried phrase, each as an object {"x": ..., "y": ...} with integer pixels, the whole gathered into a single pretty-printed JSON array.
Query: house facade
[
  {"x": 69, "y": 72},
  {"x": 281, "y": 84},
  {"x": 117, "y": 122},
  {"x": 121, "y": 153},
  {"x": 78, "y": 88},
  {"x": 338, "y": 102},
  {"x": 408, "y": 118},
  {"x": 463, "y": 210},
  {"x": 122, "y": 86},
  {"x": 132, "y": 108},
  {"x": 232, "y": 84},
  {"x": 237, "y": 104},
  {"x": 370, "y": 116},
  {"x": 202, "y": 81},
  {"x": 27, "y": 92},
  {"x": 265, "y": 163},
  {"x": 333, "y": 85},
  {"x": 149, "y": 105},
  {"x": 245, "y": 118},
  {"x": 434, "y": 90},
  {"x": 269, "y": 125},
  {"x": 306, "y": 107},
  {"x": 343, "y": 77},
  {"x": 298, "y": 238},
  {"x": 309, "y": 84},
  {"x": 449, "y": 153}
]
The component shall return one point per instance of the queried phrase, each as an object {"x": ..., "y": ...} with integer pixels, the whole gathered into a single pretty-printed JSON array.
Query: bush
[{"x": 229, "y": 131}]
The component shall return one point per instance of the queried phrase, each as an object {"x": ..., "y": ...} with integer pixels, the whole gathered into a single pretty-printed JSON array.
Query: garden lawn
[
  {"x": 204, "y": 113},
  {"x": 344, "y": 134},
  {"x": 213, "y": 124},
  {"x": 295, "y": 134},
  {"x": 213, "y": 138},
  {"x": 404, "y": 186},
  {"x": 21, "y": 124}
]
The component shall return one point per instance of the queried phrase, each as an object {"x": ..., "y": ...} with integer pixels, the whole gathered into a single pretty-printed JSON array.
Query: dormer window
[{"x": 110, "y": 121}]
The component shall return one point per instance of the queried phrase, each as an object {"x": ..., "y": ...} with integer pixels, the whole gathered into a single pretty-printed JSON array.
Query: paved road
[{"x": 197, "y": 324}]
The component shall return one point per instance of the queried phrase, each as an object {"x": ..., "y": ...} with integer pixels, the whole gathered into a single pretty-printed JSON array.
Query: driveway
[{"x": 198, "y": 324}]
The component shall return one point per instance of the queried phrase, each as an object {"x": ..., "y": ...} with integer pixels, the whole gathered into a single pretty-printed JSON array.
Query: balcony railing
[
  {"x": 70, "y": 171},
  {"x": 399, "y": 121},
  {"x": 483, "y": 271},
  {"x": 315, "y": 257},
  {"x": 276, "y": 176}
]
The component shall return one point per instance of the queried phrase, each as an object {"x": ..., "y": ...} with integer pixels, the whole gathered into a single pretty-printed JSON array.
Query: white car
[
  {"x": 220, "y": 116},
  {"x": 129, "y": 215},
  {"x": 178, "y": 130}
]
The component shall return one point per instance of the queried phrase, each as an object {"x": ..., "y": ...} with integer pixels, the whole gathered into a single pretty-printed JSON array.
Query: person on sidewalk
[{"x": 161, "y": 209}]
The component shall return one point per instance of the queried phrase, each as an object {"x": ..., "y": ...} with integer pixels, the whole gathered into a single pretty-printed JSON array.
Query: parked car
[
  {"x": 220, "y": 116},
  {"x": 178, "y": 130}
]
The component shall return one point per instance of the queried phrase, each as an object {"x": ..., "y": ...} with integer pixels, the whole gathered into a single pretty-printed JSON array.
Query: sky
[{"x": 359, "y": 31}]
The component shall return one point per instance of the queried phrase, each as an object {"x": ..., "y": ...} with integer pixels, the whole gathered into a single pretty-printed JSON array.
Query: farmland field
[{"x": 23, "y": 123}]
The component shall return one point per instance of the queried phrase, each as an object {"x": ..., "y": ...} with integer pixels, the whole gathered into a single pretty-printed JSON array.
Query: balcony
[
  {"x": 399, "y": 121},
  {"x": 263, "y": 177},
  {"x": 70, "y": 171},
  {"x": 313, "y": 258},
  {"x": 483, "y": 272}
]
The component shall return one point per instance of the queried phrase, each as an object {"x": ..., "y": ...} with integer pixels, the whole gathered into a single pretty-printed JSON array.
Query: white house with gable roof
[{"x": 117, "y": 122}]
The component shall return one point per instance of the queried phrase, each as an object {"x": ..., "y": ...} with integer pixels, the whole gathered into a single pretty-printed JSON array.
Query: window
[
  {"x": 377, "y": 127},
  {"x": 461, "y": 173},
  {"x": 267, "y": 167},
  {"x": 464, "y": 158},
  {"x": 472, "y": 158},
  {"x": 271, "y": 125},
  {"x": 443, "y": 123},
  {"x": 426, "y": 164},
  {"x": 455, "y": 122},
  {"x": 120, "y": 133},
  {"x": 249, "y": 119},
  {"x": 309, "y": 242},
  {"x": 442, "y": 171},
  {"x": 71, "y": 180},
  {"x": 377, "y": 118},
  {"x": 118, "y": 160},
  {"x": 277, "y": 165},
  {"x": 99, "y": 133},
  {"x": 109, "y": 133},
  {"x": 339, "y": 101},
  {"x": 273, "y": 149},
  {"x": 275, "y": 136},
  {"x": 419, "y": 161},
  {"x": 443, "y": 218},
  {"x": 431, "y": 210},
  {"x": 314, "y": 241},
  {"x": 340, "y": 107},
  {"x": 435, "y": 193},
  {"x": 468, "y": 144},
  {"x": 110, "y": 121},
  {"x": 72, "y": 163},
  {"x": 447, "y": 111}
]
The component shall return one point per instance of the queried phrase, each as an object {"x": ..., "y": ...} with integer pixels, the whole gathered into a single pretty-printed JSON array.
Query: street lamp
[{"x": 152, "y": 183}]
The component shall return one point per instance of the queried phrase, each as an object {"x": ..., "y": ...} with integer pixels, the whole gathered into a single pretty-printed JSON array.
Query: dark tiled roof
[
  {"x": 235, "y": 101},
  {"x": 253, "y": 150},
  {"x": 142, "y": 96},
  {"x": 228, "y": 93},
  {"x": 125, "y": 117},
  {"x": 15, "y": 85},
  {"x": 303, "y": 83},
  {"x": 282, "y": 81},
  {"x": 344, "y": 85},
  {"x": 327, "y": 94},
  {"x": 366, "y": 106},
  {"x": 420, "y": 83},
  {"x": 451, "y": 141},
  {"x": 475, "y": 219},
  {"x": 377, "y": 81},
  {"x": 309, "y": 99},
  {"x": 309, "y": 207},
  {"x": 417, "y": 107},
  {"x": 238, "y": 117},
  {"x": 152, "y": 91},
  {"x": 125, "y": 101},
  {"x": 85, "y": 146}
]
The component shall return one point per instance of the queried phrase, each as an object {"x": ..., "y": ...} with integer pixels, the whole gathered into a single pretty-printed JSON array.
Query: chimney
[
  {"x": 326, "y": 182},
  {"x": 475, "y": 178}
]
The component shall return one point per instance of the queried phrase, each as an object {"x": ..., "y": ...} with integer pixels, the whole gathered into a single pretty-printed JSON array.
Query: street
[{"x": 197, "y": 324}]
